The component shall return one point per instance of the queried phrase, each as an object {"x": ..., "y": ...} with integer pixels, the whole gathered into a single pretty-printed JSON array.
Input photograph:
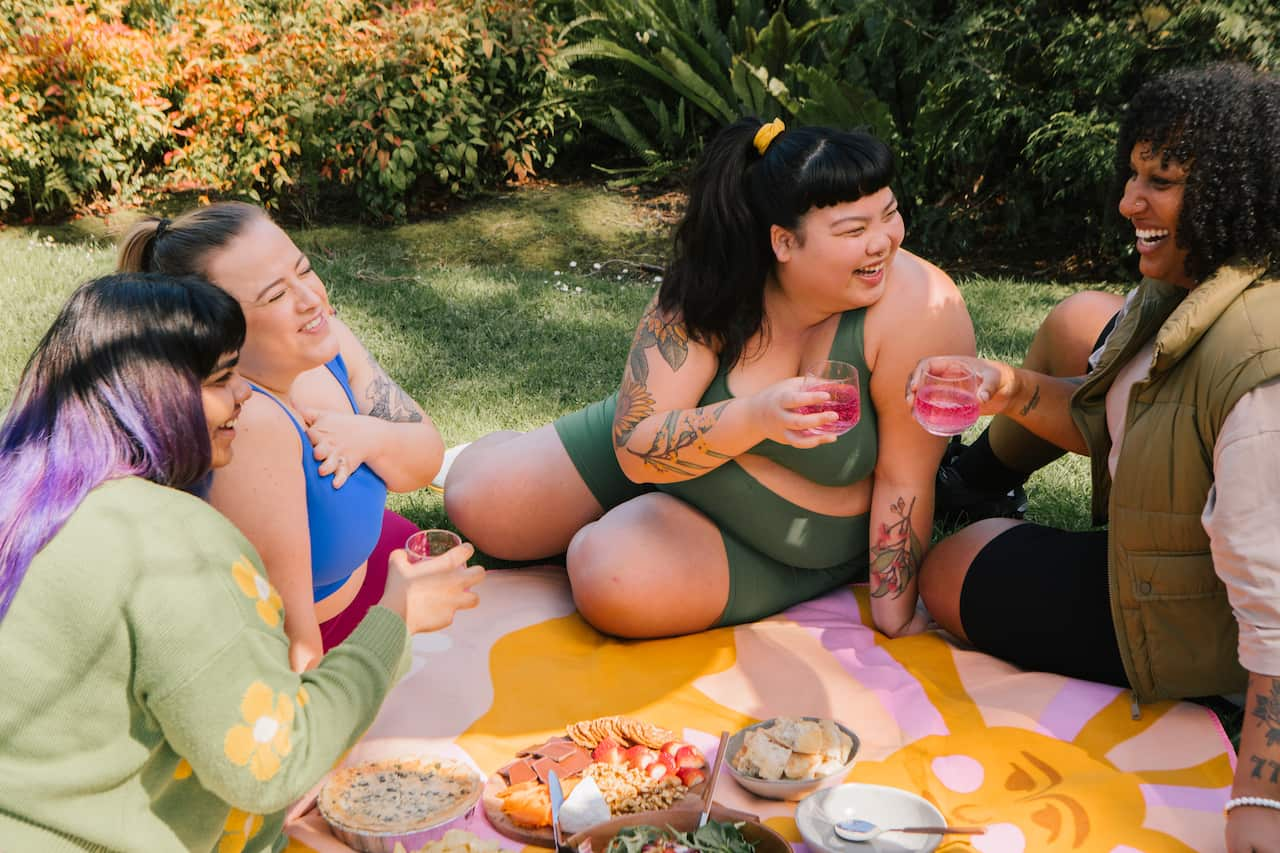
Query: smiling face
[
  {"x": 1152, "y": 201},
  {"x": 223, "y": 392},
  {"x": 286, "y": 309},
  {"x": 838, "y": 257}
]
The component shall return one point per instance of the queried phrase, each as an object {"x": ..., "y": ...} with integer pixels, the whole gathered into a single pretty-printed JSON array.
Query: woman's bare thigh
[{"x": 518, "y": 496}]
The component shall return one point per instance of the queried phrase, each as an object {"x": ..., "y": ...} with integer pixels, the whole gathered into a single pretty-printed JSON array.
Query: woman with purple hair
[{"x": 148, "y": 690}]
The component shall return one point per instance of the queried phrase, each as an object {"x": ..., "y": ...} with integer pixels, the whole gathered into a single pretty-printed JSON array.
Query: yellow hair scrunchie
[{"x": 766, "y": 134}]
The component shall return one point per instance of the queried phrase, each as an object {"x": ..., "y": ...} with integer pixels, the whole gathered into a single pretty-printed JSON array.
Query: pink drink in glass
[
  {"x": 840, "y": 380},
  {"x": 947, "y": 399},
  {"x": 430, "y": 543}
]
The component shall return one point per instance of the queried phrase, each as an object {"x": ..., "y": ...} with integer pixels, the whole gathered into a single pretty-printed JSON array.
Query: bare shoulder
[
  {"x": 922, "y": 298},
  {"x": 918, "y": 283},
  {"x": 264, "y": 433},
  {"x": 349, "y": 345}
]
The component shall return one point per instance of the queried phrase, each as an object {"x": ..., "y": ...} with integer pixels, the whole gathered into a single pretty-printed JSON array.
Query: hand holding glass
[
  {"x": 840, "y": 380},
  {"x": 947, "y": 398},
  {"x": 430, "y": 543}
]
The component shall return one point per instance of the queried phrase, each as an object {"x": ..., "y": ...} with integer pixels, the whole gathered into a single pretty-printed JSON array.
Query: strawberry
[
  {"x": 607, "y": 751},
  {"x": 657, "y": 770},
  {"x": 640, "y": 756},
  {"x": 669, "y": 760},
  {"x": 689, "y": 756},
  {"x": 691, "y": 776},
  {"x": 671, "y": 747}
]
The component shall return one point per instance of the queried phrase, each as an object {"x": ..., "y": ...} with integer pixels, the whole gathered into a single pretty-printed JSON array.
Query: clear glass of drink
[
  {"x": 430, "y": 543},
  {"x": 840, "y": 380},
  {"x": 947, "y": 398}
]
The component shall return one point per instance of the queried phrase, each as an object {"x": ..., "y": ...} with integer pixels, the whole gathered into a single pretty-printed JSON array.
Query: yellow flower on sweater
[
  {"x": 255, "y": 586},
  {"x": 265, "y": 739},
  {"x": 236, "y": 832}
]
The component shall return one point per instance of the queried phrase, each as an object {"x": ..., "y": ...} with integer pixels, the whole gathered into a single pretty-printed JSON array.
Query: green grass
[{"x": 468, "y": 314}]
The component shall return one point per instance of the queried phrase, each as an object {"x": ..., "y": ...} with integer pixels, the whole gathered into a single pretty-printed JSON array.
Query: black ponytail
[{"x": 722, "y": 255}]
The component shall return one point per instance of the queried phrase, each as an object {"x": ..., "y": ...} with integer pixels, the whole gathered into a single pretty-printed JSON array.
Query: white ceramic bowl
[
  {"x": 882, "y": 805},
  {"x": 787, "y": 789}
]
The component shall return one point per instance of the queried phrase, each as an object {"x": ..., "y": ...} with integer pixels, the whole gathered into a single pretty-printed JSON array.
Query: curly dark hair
[
  {"x": 1224, "y": 123},
  {"x": 722, "y": 256}
]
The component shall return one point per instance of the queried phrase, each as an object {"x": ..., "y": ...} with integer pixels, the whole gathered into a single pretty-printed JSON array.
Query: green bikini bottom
[{"x": 779, "y": 554}]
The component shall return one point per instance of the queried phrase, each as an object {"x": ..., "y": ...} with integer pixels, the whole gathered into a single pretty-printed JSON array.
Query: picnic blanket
[{"x": 1048, "y": 763}]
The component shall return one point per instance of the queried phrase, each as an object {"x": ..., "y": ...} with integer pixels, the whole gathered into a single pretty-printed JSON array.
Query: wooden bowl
[{"x": 683, "y": 820}]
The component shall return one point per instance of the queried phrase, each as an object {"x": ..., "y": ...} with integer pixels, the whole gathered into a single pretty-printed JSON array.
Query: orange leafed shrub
[
  {"x": 344, "y": 97},
  {"x": 82, "y": 107}
]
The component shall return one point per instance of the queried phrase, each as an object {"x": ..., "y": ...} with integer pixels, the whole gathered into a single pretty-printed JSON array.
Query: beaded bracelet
[{"x": 1264, "y": 802}]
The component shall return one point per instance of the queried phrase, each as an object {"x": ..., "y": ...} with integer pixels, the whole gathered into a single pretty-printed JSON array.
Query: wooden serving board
[{"x": 542, "y": 837}]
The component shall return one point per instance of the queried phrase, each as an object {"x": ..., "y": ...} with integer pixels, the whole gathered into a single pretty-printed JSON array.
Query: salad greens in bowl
[{"x": 677, "y": 831}]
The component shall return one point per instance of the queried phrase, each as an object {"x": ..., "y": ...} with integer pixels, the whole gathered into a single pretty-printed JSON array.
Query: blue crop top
[
  {"x": 344, "y": 524},
  {"x": 852, "y": 456}
]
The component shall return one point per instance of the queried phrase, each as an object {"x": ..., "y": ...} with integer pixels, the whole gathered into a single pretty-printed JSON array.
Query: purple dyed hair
[{"x": 112, "y": 390}]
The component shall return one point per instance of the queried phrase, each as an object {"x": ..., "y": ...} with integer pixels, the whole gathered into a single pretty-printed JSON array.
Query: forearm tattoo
[
  {"x": 896, "y": 555},
  {"x": 388, "y": 400},
  {"x": 679, "y": 432},
  {"x": 1266, "y": 710},
  {"x": 1032, "y": 403}
]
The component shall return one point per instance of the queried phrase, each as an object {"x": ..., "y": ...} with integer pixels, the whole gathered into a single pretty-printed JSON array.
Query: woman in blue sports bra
[
  {"x": 323, "y": 438},
  {"x": 695, "y": 496}
]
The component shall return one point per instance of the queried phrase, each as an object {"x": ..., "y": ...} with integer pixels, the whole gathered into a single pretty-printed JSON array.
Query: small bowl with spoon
[{"x": 834, "y": 820}]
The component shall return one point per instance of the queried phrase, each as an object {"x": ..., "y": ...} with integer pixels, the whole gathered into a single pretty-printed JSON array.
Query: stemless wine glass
[
  {"x": 430, "y": 543},
  {"x": 947, "y": 398},
  {"x": 840, "y": 380}
]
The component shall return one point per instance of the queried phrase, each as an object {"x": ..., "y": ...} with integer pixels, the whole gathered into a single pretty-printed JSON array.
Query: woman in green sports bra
[{"x": 695, "y": 495}]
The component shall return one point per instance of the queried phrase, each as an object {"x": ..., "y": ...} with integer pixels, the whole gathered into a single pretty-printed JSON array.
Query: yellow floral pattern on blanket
[
  {"x": 266, "y": 600},
  {"x": 264, "y": 738}
]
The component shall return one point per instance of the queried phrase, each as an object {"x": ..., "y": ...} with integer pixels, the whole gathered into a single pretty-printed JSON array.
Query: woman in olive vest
[{"x": 1179, "y": 594}]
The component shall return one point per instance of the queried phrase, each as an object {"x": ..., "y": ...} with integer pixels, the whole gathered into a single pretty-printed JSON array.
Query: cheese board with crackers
[{"x": 608, "y": 767}]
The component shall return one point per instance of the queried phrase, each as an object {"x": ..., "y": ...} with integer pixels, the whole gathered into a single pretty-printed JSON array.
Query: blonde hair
[{"x": 181, "y": 246}]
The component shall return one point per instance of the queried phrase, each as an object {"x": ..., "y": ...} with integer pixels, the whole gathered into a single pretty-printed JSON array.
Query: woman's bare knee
[
  {"x": 602, "y": 592},
  {"x": 650, "y": 549},
  {"x": 1066, "y": 338}
]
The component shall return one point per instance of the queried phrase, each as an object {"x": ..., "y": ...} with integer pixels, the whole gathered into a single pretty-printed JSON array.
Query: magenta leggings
[{"x": 395, "y": 530}]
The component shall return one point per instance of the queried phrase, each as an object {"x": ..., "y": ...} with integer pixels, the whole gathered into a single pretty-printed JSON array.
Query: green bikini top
[{"x": 852, "y": 456}]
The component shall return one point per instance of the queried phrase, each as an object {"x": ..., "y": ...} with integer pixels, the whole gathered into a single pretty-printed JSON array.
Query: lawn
[{"x": 497, "y": 316}]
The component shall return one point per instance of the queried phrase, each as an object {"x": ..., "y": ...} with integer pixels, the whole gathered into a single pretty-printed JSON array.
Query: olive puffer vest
[{"x": 1213, "y": 344}]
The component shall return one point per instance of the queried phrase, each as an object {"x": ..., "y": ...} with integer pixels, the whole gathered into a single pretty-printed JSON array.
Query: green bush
[
  {"x": 1003, "y": 114},
  {"x": 661, "y": 75}
]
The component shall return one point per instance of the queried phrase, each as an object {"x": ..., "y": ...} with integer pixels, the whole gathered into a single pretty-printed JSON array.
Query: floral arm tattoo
[
  {"x": 1266, "y": 710},
  {"x": 681, "y": 430},
  {"x": 896, "y": 554},
  {"x": 389, "y": 401},
  {"x": 635, "y": 403}
]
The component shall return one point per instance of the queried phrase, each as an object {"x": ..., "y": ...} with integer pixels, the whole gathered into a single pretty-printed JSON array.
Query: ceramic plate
[{"x": 879, "y": 804}]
